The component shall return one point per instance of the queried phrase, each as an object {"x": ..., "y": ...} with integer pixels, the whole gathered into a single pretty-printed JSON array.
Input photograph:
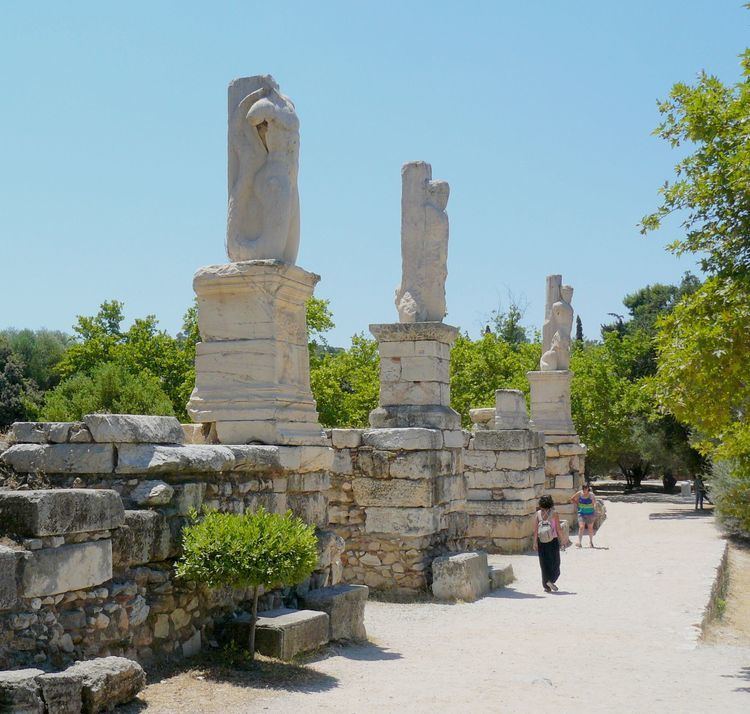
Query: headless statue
[
  {"x": 263, "y": 211},
  {"x": 424, "y": 245}
]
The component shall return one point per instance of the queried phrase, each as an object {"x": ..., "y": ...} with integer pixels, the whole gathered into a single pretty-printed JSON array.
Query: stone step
[
  {"x": 345, "y": 606},
  {"x": 500, "y": 576},
  {"x": 282, "y": 633}
]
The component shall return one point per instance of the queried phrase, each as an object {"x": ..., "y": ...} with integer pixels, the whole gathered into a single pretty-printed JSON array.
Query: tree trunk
[{"x": 253, "y": 622}]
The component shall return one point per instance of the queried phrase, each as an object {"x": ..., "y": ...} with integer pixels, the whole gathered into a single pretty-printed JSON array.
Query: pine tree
[{"x": 579, "y": 329}]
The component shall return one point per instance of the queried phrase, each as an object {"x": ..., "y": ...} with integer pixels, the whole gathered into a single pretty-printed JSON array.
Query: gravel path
[{"x": 621, "y": 635}]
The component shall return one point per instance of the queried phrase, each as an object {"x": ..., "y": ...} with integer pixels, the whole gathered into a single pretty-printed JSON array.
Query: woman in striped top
[{"x": 586, "y": 503}]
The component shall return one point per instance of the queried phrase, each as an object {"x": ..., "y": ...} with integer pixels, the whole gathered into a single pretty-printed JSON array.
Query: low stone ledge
[
  {"x": 78, "y": 566},
  {"x": 500, "y": 576},
  {"x": 19, "y": 691},
  {"x": 285, "y": 633},
  {"x": 345, "y": 606},
  {"x": 407, "y": 439},
  {"x": 156, "y": 458},
  {"x": 52, "y": 512},
  {"x": 507, "y": 440},
  {"x": 134, "y": 429},
  {"x": 107, "y": 682},
  {"x": 61, "y": 692},
  {"x": 60, "y": 458},
  {"x": 460, "y": 576}
]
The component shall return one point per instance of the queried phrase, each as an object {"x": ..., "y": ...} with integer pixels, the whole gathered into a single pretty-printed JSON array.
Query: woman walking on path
[
  {"x": 586, "y": 504},
  {"x": 547, "y": 542}
]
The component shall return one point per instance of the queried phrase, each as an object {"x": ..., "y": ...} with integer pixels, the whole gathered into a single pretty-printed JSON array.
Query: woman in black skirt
[{"x": 547, "y": 542}]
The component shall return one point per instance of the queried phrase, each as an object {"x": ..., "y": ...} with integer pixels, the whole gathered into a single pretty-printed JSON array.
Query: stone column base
[
  {"x": 415, "y": 376},
  {"x": 550, "y": 401},
  {"x": 398, "y": 501},
  {"x": 252, "y": 371}
]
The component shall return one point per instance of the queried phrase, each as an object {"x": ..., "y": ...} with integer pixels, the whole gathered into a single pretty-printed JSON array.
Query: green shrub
[
  {"x": 729, "y": 489},
  {"x": 110, "y": 388},
  {"x": 253, "y": 550}
]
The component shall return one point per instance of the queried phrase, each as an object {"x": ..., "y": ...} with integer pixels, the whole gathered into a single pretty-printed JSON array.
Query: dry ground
[{"x": 621, "y": 635}]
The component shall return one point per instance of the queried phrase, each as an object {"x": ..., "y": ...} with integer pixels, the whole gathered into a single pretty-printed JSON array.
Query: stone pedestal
[
  {"x": 504, "y": 469},
  {"x": 565, "y": 455},
  {"x": 252, "y": 371},
  {"x": 550, "y": 401},
  {"x": 415, "y": 376}
]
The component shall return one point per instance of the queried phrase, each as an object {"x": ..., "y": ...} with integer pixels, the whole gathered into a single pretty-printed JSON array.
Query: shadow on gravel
[
  {"x": 676, "y": 514},
  {"x": 511, "y": 594},
  {"x": 744, "y": 673},
  {"x": 360, "y": 651}
]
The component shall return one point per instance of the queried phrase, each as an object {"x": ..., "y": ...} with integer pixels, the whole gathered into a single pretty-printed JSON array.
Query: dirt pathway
[{"x": 621, "y": 635}]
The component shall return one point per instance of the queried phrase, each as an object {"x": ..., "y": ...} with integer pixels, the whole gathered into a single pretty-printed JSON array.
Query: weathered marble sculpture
[
  {"x": 558, "y": 323},
  {"x": 252, "y": 371},
  {"x": 263, "y": 215},
  {"x": 424, "y": 245}
]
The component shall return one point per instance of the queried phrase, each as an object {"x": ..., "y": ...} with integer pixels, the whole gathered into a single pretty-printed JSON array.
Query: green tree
[
  {"x": 616, "y": 415},
  {"x": 253, "y": 550},
  {"x": 109, "y": 387},
  {"x": 506, "y": 324},
  {"x": 710, "y": 192},
  {"x": 39, "y": 351},
  {"x": 703, "y": 342},
  {"x": 479, "y": 367},
  {"x": 17, "y": 394},
  {"x": 141, "y": 349},
  {"x": 346, "y": 383}
]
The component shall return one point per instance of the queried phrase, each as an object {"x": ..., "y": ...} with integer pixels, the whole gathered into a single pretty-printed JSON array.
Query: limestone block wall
[
  {"x": 505, "y": 476},
  {"x": 397, "y": 498},
  {"x": 564, "y": 470},
  {"x": 89, "y": 557}
]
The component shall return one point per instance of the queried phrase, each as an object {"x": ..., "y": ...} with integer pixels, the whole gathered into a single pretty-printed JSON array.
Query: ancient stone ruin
[{"x": 93, "y": 526}]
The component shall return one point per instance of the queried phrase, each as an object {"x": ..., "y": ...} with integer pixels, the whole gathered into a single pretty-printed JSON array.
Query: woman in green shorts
[{"x": 586, "y": 503}]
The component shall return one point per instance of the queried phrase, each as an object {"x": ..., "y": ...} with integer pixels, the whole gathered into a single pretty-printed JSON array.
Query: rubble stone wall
[
  {"x": 397, "y": 498},
  {"x": 505, "y": 476},
  {"x": 90, "y": 532}
]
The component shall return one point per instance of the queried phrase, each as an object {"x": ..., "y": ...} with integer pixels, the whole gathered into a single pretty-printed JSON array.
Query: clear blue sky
[{"x": 113, "y": 150}]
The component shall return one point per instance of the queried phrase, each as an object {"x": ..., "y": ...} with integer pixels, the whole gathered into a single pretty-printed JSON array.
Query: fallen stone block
[
  {"x": 20, "y": 693},
  {"x": 285, "y": 633},
  {"x": 77, "y": 566},
  {"x": 60, "y": 458},
  {"x": 50, "y": 512},
  {"x": 461, "y": 576},
  {"x": 61, "y": 692},
  {"x": 155, "y": 458},
  {"x": 345, "y": 606},
  {"x": 500, "y": 576},
  {"x": 107, "y": 682},
  {"x": 134, "y": 429}
]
